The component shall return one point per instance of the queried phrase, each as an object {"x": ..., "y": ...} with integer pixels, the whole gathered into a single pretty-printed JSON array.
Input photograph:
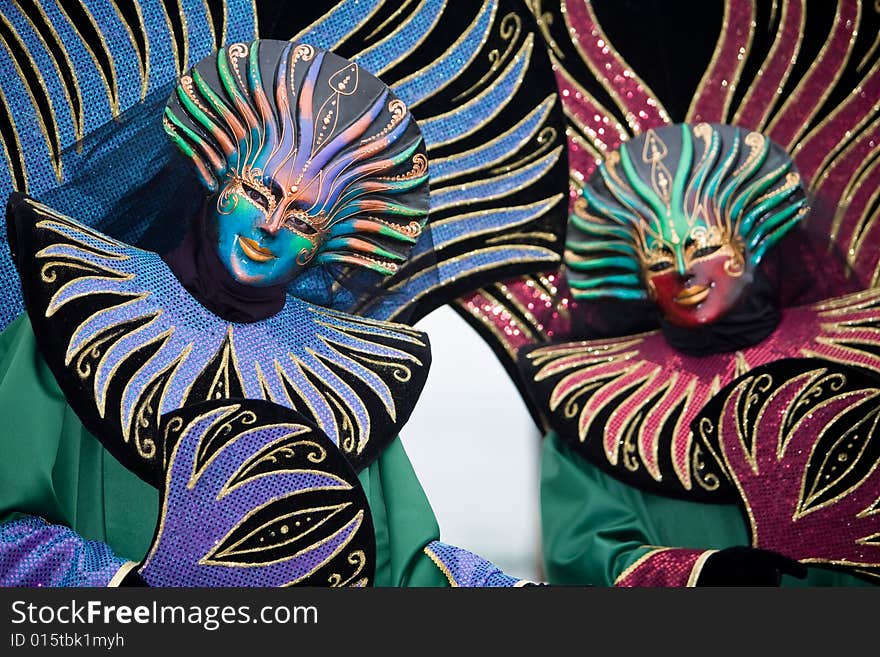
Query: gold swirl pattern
[{"x": 509, "y": 30}]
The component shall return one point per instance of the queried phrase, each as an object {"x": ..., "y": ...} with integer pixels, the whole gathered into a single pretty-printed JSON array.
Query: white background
[{"x": 475, "y": 449}]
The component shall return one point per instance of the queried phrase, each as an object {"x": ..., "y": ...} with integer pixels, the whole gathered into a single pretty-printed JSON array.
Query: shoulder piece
[
  {"x": 799, "y": 440},
  {"x": 627, "y": 403},
  {"x": 127, "y": 343},
  {"x": 279, "y": 503}
]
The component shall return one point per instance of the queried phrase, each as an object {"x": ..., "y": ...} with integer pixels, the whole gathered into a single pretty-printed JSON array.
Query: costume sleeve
[
  {"x": 464, "y": 568},
  {"x": 403, "y": 520},
  {"x": 37, "y": 478},
  {"x": 35, "y": 553},
  {"x": 597, "y": 530}
]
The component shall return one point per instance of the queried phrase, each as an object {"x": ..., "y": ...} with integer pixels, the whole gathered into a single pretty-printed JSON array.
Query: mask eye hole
[
  {"x": 299, "y": 222},
  {"x": 255, "y": 196},
  {"x": 657, "y": 267},
  {"x": 704, "y": 251}
]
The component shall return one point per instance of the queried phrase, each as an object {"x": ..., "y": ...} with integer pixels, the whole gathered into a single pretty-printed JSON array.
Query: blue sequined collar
[{"x": 128, "y": 344}]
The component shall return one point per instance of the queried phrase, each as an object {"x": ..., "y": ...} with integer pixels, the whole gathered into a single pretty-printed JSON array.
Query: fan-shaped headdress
[
  {"x": 295, "y": 123},
  {"x": 676, "y": 188}
]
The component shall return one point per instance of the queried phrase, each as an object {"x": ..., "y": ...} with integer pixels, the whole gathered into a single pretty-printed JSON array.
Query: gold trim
[
  {"x": 120, "y": 574},
  {"x": 544, "y": 21},
  {"x": 76, "y": 122},
  {"x": 543, "y": 108},
  {"x": 112, "y": 90},
  {"x": 541, "y": 169},
  {"x": 142, "y": 63},
  {"x": 856, "y": 175},
  {"x": 179, "y": 65},
  {"x": 77, "y": 343},
  {"x": 387, "y": 398},
  {"x": 147, "y": 68},
  {"x": 441, "y": 566},
  {"x": 545, "y": 139},
  {"x": 537, "y": 210},
  {"x": 388, "y": 20},
  {"x": 732, "y": 83},
  {"x": 819, "y": 59},
  {"x": 525, "y": 52},
  {"x": 507, "y": 33},
  {"x": 698, "y": 567},
  {"x": 777, "y": 43},
  {"x": 615, "y": 126},
  {"x": 18, "y": 151},
  {"x": 539, "y": 254},
  {"x": 184, "y": 26},
  {"x": 79, "y": 120},
  {"x": 53, "y": 146},
  {"x": 114, "y": 83},
  {"x": 471, "y": 308},
  {"x": 332, "y": 509},
  {"x": 493, "y": 5},
  {"x": 405, "y": 27},
  {"x": 803, "y": 507},
  {"x": 363, "y": 21},
  {"x": 603, "y": 80},
  {"x": 851, "y": 135},
  {"x": 638, "y": 563},
  {"x": 866, "y": 219}
]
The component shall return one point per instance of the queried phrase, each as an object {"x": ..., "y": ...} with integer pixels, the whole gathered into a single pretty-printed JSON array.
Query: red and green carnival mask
[{"x": 682, "y": 215}]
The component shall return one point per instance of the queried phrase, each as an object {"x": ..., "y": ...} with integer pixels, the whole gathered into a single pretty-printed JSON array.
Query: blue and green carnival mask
[
  {"x": 313, "y": 160},
  {"x": 682, "y": 215}
]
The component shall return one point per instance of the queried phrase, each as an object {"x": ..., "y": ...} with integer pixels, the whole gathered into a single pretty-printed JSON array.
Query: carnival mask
[
  {"x": 312, "y": 160},
  {"x": 702, "y": 284},
  {"x": 682, "y": 215}
]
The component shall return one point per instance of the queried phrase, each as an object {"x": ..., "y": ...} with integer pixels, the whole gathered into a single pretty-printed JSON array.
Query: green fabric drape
[
  {"x": 594, "y": 527},
  {"x": 50, "y": 466}
]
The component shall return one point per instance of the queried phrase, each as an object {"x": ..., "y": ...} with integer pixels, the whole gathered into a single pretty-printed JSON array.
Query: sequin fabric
[
  {"x": 272, "y": 504},
  {"x": 463, "y": 568},
  {"x": 665, "y": 567},
  {"x": 39, "y": 151},
  {"x": 800, "y": 440},
  {"x": 629, "y": 402},
  {"x": 35, "y": 553}
]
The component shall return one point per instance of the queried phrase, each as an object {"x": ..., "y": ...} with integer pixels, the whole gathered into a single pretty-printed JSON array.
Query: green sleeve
[
  {"x": 404, "y": 521},
  {"x": 594, "y": 527},
  {"x": 591, "y": 530},
  {"x": 53, "y": 468}
]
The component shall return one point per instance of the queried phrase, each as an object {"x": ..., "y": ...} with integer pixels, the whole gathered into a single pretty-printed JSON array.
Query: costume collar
[
  {"x": 127, "y": 344},
  {"x": 627, "y": 403}
]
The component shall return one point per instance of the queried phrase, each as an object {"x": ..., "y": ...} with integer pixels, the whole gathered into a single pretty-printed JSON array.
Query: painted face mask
[
  {"x": 682, "y": 216},
  {"x": 312, "y": 161}
]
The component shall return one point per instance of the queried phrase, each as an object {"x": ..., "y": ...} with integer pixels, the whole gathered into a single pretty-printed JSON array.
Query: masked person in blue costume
[{"x": 226, "y": 413}]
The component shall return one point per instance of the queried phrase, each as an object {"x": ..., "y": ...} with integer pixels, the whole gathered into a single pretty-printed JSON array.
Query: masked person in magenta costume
[
  {"x": 683, "y": 216},
  {"x": 316, "y": 172},
  {"x": 714, "y": 293}
]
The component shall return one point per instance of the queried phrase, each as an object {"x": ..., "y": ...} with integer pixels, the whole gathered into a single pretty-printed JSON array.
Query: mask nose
[
  {"x": 272, "y": 224},
  {"x": 681, "y": 266}
]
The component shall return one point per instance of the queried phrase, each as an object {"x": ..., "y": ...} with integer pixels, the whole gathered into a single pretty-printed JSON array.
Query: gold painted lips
[
  {"x": 254, "y": 251},
  {"x": 692, "y": 295}
]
